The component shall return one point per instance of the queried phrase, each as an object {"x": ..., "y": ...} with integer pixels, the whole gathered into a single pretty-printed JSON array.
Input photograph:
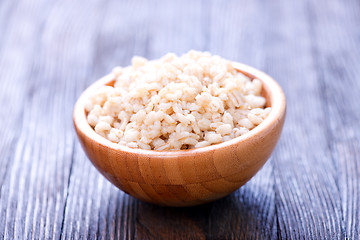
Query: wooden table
[{"x": 50, "y": 51}]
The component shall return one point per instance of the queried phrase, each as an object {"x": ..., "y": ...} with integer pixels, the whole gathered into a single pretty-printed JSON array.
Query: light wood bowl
[{"x": 185, "y": 177}]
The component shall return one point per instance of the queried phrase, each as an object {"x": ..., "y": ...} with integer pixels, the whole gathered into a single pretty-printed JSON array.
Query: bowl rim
[{"x": 276, "y": 96}]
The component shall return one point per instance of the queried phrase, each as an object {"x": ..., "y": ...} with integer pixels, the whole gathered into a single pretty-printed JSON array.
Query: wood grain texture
[
  {"x": 339, "y": 68},
  {"x": 305, "y": 176},
  {"x": 50, "y": 51}
]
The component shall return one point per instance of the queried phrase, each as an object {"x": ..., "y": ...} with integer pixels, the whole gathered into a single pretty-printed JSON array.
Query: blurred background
[{"x": 51, "y": 50}]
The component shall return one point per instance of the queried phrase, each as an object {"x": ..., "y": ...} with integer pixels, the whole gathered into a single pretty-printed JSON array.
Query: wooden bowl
[{"x": 185, "y": 177}]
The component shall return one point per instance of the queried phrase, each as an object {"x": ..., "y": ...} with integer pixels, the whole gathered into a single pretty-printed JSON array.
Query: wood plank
[
  {"x": 75, "y": 64},
  {"x": 336, "y": 34},
  {"x": 95, "y": 209},
  {"x": 33, "y": 204},
  {"x": 14, "y": 60},
  {"x": 308, "y": 201},
  {"x": 8, "y": 10},
  {"x": 236, "y": 33},
  {"x": 22, "y": 23}
]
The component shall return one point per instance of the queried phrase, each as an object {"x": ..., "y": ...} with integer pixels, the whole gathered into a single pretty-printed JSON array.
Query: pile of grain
[{"x": 175, "y": 103}]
